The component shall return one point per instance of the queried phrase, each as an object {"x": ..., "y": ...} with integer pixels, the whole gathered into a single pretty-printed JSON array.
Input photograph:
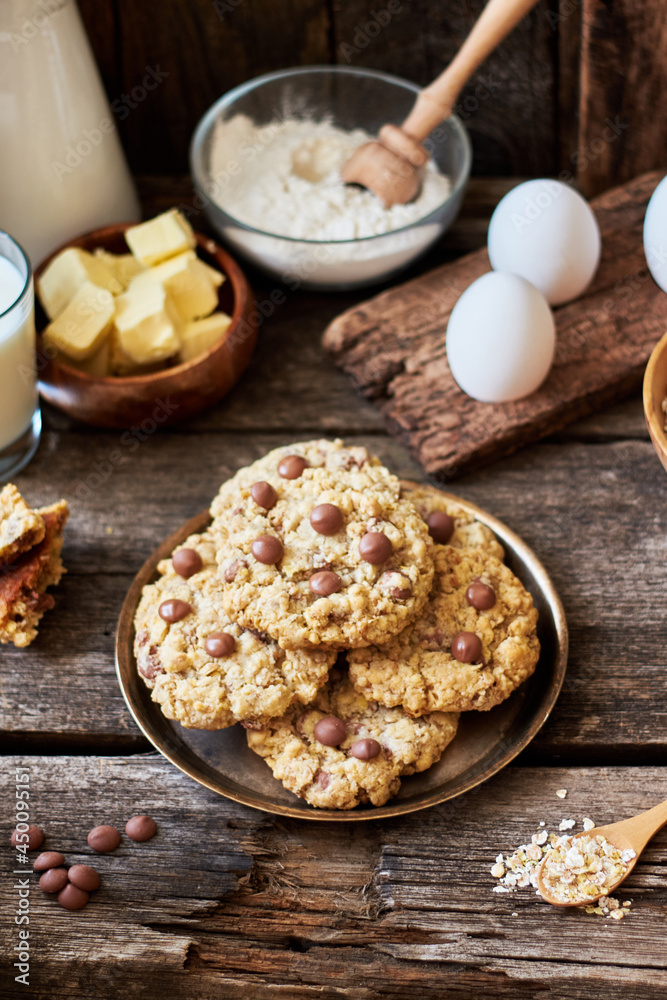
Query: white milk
[
  {"x": 18, "y": 383},
  {"x": 62, "y": 169}
]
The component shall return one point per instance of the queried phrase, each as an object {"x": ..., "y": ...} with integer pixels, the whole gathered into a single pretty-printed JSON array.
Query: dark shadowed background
[{"x": 580, "y": 86}]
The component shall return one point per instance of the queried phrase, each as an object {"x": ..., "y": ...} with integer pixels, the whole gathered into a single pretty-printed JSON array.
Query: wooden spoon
[
  {"x": 391, "y": 166},
  {"x": 633, "y": 833}
]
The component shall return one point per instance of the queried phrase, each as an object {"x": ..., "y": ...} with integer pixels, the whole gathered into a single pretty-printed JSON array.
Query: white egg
[
  {"x": 500, "y": 338},
  {"x": 547, "y": 233},
  {"x": 655, "y": 234}
]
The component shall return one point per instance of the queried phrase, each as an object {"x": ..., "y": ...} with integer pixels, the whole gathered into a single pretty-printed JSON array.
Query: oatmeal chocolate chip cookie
[
  {"x": 282, "y": 465},
  {"x": 20, "y": 527},
  {"x": 344, "y": 750},
  {"x": 205, "y": 671},
  {"x": 330, "y": 559},
  {"x": 450, "y": 524},
  {"x": 473, "y": 643}
]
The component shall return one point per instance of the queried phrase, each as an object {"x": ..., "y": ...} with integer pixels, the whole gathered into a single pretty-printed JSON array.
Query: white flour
[{"x": 284, "y": 178}]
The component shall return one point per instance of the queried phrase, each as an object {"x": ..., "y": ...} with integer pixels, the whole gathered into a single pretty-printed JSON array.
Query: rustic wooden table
[{"x": 235, "y": 903}]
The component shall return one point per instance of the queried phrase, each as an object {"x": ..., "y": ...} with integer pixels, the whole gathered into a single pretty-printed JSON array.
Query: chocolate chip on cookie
[
  {"x": 440, "y": 526},
  {"x": 291, "y": 466},
  {"x": 219, "y": 644},
  {"x": 174, "y": 610},
  {"x": 186, "y": 562},
  {"x": 267, "y": 549},
  {"x": 264, "y": 495},
  {"x": 375, "y": 548},
  {"x": 330, "y": 731},
  {"x": 325, "y": 583},
  {"x": 467, "y": 647},
  {"x": 480, "y": 596},
  {"x": 365, "y": 749},
  {"x": 326, "y": 518}
]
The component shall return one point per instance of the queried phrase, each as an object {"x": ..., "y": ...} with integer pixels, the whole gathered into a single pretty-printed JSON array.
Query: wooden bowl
[
  {"x": 165, "y": 396},
  {"x": 655, "y": 390}
]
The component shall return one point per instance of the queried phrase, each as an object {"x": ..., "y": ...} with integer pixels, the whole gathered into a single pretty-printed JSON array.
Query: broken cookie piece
[
  {"x": 23, "y": 583},
  {"x": 20, "y": 527}
]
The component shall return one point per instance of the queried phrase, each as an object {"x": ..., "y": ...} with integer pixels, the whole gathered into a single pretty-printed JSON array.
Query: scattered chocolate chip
[
  {"x": 48, "y": 859},
  {"x": 73, "y": 898},
  {"x": 186, "y": 562},
  {"x": 324, "y": 583},
  {"x": 174, "y": 610},
  {"x": 267, "y": 549},
  {"x": 326, "y": 519},
  {"x": 365, "y": 749},
  {"x": 104, "y": 838},
  {"x": 330, "y": 731},
  {"x": 322, "y": 779},
  {"x": 53, "y": 880},
  {"x": 467, "y": 647},
  {"x": 264, "y": 495},
  {"x": 375, "y": 548},
  {"x": 480, "y": 596},
  {"x": 141, "y": 828},
  {"x": 33, "y": 837},
  {"x": 220, "y": 644},
  {"x": 291, "y": 466},
  {"x": 440, "y": 526},
  {"x": 84, "y": 877}
]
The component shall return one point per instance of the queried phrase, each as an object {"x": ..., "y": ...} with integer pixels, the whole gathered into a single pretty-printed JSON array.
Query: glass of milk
[{"x": 20, "y": 419}]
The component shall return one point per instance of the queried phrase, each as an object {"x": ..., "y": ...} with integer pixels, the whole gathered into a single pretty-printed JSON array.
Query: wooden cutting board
[{"x": 393, "y": 348}]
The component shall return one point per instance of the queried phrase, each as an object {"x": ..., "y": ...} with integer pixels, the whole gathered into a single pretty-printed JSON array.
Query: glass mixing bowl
[{"x": 349, "y": 98}]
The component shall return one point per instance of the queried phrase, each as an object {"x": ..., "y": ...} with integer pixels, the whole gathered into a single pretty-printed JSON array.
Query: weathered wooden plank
[
  {"x": 509, "y": 106},
  {"x": 393, "y": 348},
  {"x": 623, "y": 101},
  {"x": 358, "y": 911},
  {"x": 202, "y": 49},
  {"x": 594, "y": 514}
]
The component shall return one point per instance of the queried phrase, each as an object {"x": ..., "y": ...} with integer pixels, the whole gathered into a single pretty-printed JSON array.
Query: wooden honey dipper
[{"x": 390, "y": 166}]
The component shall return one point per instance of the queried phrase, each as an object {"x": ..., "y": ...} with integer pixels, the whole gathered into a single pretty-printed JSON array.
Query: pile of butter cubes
[{"x": 128, "y": 314}]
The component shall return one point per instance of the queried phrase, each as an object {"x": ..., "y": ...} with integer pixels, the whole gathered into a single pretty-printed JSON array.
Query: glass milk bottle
[
  {"x": 62, "y": 168},
  {"x": 20, "y": 421}
]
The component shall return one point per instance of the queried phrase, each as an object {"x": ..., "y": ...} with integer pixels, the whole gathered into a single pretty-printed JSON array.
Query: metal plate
[{"x": 485, "y": 743}]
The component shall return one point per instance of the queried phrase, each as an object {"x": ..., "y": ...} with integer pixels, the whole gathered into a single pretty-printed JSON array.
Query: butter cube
[
  {"x": 198, "y": 336},
  {"x": 146, "y": 324},
  {"x": 82, "y": 326},
  {"x": 121, "y": 364},
  {"x": 160, "y": 238},
  {"x": 67, "y": 273},
  {"x": 186, "y": 280},
  {"x": 98, "y": 363},
  {"x": 124, "y": 266},
  {"x": 216, "y": 276}
]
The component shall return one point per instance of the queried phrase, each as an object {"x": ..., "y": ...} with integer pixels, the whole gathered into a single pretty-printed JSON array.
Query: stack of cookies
[{"x": 344, "y": 618}]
